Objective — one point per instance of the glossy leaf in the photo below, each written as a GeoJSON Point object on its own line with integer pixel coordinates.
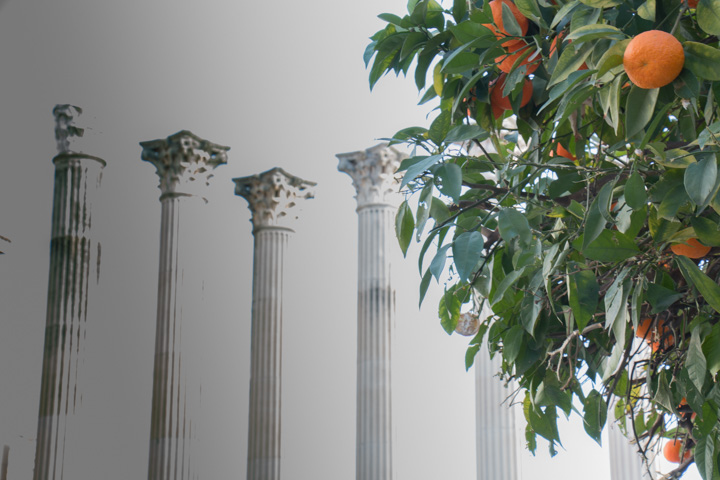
{"type": "Point", "coordinates": [467, 251]}
{"type": "Point", "coordinates": [707, 288]}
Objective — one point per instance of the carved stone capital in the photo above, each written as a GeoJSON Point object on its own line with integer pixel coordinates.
{"type": "Point", "coordinates": [271, 195]}
{"type": "Point", "coordinates": [373, 173]}
{"type": "Point", "coordinates": [184, 162]}
{"type": "Point", "coordinates": [72, 136]}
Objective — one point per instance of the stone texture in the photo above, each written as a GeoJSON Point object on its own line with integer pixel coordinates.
{"type": "Point", "coordinates": [272, 198]}
{"type": "Point", "coordinates": [497, 436]}
{"type": "Point", "coordinates": [74, 269]}
{"type": "Point", "coordinates": [373, 175]}
{"type": "Point", "coordinates": [184, 163]}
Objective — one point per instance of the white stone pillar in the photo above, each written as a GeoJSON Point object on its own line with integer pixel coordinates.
{"type": "Point", "coordinates": [184, 163]}
{"type": "Point", "coordinates": [626, 463]}
{"type": "Point", "coordinates": [373, 175]}
{"type": "Point", "coordinates": [497, 440]}
{"type": "Point", "coordinates": [74, 268]}
{"type": "Point", "coordinates": [271, 197]}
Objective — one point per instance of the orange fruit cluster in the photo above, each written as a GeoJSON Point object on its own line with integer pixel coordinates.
{"type": "Point", "coordinates": [500, 103]}
{"type": "Point", "coordinates": [653, 335]}
{"type": "Point", "coordinates": [653, 59]}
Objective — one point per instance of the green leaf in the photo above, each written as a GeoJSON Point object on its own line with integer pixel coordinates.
{"type": "Point", "coordinates": [700, 178]}
{"type": "Point", "coordinates": [449, 180]}
{"type": "Point", "coordinates": [639, 109]}
{"type": "Point", "coordinates": [702, 60]}
{"type": "Point", "coordinates": [570, 61]}
{"type": "Point", "coordinates": [511, 224]}
{"type": "Point", "coordinates": [415, 166]}
{"type": "Point", "coordinates": [661, 298]}
{"type": "Point", "coordinates": [593, 32]}
{"type": "Point", "coordinates": [675, 198]}
{"type": "Point", "coordinates": [612, 58]}
{"type": "Point", "coordinates": [695, 362]}
{"type": "Point", "coordinates": [594, 224]}
{"type": "Point", "coordinates": [705, 456]}
{"type": "Point", "coordinates": [470, 356]}
{"type": "Point", "coordinates": [437, 265]}
{"type": "Point", "coordinates": [583, 295]}
{"type": "Point", "coordinates": [706, 230]}
{"type": "Point", "coordinates": [711, 350]}
{"type": "Point", "coordinates": [635, 194]}
{"type": "Point", "coordinates": [610, 246]}
{"type": "Point", "coordinates": [595, 415]}
{"type": "Point", "coordinates": [449, 311]}
{"type": "Point", "coordinates": [646, 11]}
{"type": "Point", "coordinates": [707, 288]}
{"type": "Point", "coordinates": [513, 343]}
{"type": "Point", "coordinates": [531, 10]}
{"type": "Point", "coordinates": [424, 284]}
{"type": "Point", "coordinates": [601, 3]}
{"type": "Point", "coordinates": [467, 252]}
{"type": "Point", "coordinates": [404, 226]}
{"type": "Point", "coordinates": [440, 128]}
{"type": "Point", "coordinates": [708, 16]}
{"type": "Point", "coordinates": [510, 24]}
{"type": "Point", "coordinates": [461, 133]}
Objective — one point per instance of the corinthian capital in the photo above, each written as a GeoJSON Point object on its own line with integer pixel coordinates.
{"type": "Point", "coordinates": [373, 173]}
{"type": "Point", "coordinates": [271, 195]}
{"type": "Point", "coordinates": [72, 135]}
{"type": "Point", "coordinates": [184, 162]}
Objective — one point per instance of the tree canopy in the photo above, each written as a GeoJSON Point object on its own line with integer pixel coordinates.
{"type": "Point", "coordinates": [581, 209]}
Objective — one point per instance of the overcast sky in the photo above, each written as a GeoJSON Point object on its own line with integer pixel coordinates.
{"type": "Point", "coordinates": [283, 84]}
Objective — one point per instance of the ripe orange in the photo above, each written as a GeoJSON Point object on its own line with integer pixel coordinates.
{"type": "Point", "coordinates": [497, 100]}
{"type": "Point", "coordinates": [692, 3]}
{"type": "Point", "coordinates": [653, 59]}
{"type": "Point", "coordinates": [672, 449]}
{"type": "Point", "coordinates": [693, 249]}
{"type": "Point", "coordinates": [643, 329]}
{"type": "Point", "coordinates": [499, 27]}
{"type": "Point", "coordinates": [515, 50]}
{"type": "Point", "coordinates": [562, 152]}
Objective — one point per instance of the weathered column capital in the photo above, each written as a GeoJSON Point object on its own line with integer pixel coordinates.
{"type": "Point", "coordinates": [73, 139]}
{"type": "Point", "coordinates": [184, 162]}
{"type": "Point", "coordinates": [271, 195]}
{"type": "Point", "coordinates": [373, 173]}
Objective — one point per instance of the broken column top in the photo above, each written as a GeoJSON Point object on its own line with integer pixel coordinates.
{"type": "Point", "coordinates": [373, 173]}
{"type": "Point", "coordinates": [72, 135]}
{"type": "Point", "coordinates": [271, 195]}
{"type": "Point", "coordinates": [184, 163]}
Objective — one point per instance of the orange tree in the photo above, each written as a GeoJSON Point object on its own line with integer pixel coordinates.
{"type": "Point", "coordinates": [557, 210]}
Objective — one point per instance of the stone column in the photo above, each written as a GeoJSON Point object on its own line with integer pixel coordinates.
{"type": "Point", "coordinates": [497, 440]}
{"type": "Point", "coordinates": [184, 163]}
{"type": "Point", "coordinates": [373, 175]}
{"type": "Point", "coordinates": [74, 268]}
{"type": "Point", "coordinates": [271, 197]}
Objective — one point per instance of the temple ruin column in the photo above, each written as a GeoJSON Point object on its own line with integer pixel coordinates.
{"type": "Point", "coordinates": [497, 439]}
{"type": "Point", "coordinates": [74, 263]}
{"type": "Point", "coordinates": [271, 197]}
{"type": "Point", "coordinates": [184, 163]}
{"type": "Point", "coordinates": [373, 175]}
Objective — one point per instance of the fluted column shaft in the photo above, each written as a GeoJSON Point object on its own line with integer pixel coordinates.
{"type": "Point", "coordinates": [266, 354]}
{"type": "Point", "coordinates": [271, 197]}
{"type": "Point", "coordinates": [496, 430]}
{"type": "Point", "coordinates": [74, 268]}
{"type": "Point", "coordinates": [373, 174]}
{"type": "Point", "coordinates": [184, 163]}
{"type": "Point", "coordinates": [376, 319]}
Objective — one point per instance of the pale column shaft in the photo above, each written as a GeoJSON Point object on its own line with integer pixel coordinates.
{"type": "Point", "coordinates": [266, 354]}
{"type": "Point", "coordinates": [373, 175]}
{"type": "Point", "coordinates": [271, 197]}
{"type": "Point", "coordinates": [74, 262]}
{"type": "Point", "coordinates": [376, 319]}
{"type": "Point", "coordinates": [497, 439]}
{"type": "Point", "coordinates": [184, 163]}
